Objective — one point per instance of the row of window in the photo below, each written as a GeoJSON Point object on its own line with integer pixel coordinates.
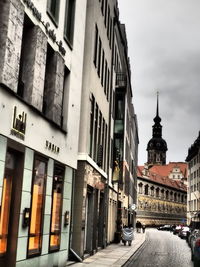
{"type": "Point", "coordinates": [157, 192]}
{"type": "Point", "coordinates": [108, 21]}
{"type": "Point", "coordinates": [194, 205]}
{"type": "Point", "coordinates": [33, 217]}
{"type": "Point", "coordinates": [195, 187]}
{"type": "Point", "coordinates": [101, 64]}
{"type": "Point", "coordinates": [37, 207]}
{"type": "Point", "coordinates": [51, 106]}
{"type": "Point", "coordinates": [98, 135]}
{"type": "Point", "coordinates": [194, 161]}
{"type": "Point", "coordinates": [53, 10]}
{"type": "Point", "coordinates": [195, 174]}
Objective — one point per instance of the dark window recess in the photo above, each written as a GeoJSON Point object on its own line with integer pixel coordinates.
{"type": "Point", "coordinates": [102, 7]}
{"type": "Point", "coordinates": [69, 20]}
{"type": "Point", "coordinates": [95, 132]}
{"type": "Point", "coordinates": [102, 68]}
{"type": "Point", "coordinates": [105, 77]}
{"type": "Point", "coordinates": [108, 85]}
{"type": "Point", "coordinates": [108, 23]}
{"type": "Point", "coordinates": [48, 87]}
{"type": "Point", "coordinates": [92, 105]}
{"type": "Point", "coordinates": [53, 9]}
{"type": "Point", "coordinates": [65, 97]}
{"type": "Point", "coordinates": [26, 56]}
{"type": "Point", "coordinates": [105, 16]}
{"type": "Point", "coordinates": [100, 156]}
{"type": "Point", "coordinates": [96, 45]}
{"type": "Point", "coordinates": [99, 58]}
{"type": "Point", "coordinates": [56, 208]}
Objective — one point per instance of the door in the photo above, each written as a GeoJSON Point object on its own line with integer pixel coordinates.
{"type": "Point", "coordinates": [10, 208]}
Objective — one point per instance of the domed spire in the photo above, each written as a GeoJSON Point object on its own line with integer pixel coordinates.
{"type": "Point", "coordinates": [157, 119]}
{"type": "Point", "coordinates": [157, 146]}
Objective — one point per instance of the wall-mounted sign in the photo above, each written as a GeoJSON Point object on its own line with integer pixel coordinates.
{"type": "Point", "coordinates": [19, 124]}
{"type": "Point", "coordinates": [50, 146]}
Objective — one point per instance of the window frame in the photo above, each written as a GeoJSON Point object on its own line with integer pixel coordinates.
{"type": "Point", "coordinates": [53, 17]}
{"type": "Point", "coordinates": [69, 23]}
{"type": "Point", "coordinates": [45, 160]}
{"type": "Point", "coordinates": [56, 248]}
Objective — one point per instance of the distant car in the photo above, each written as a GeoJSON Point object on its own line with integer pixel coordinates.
{"type": "Point", "coordinates": [183, 233]}
{"type": "Point", "coordinates": [195, 248]}
{"type": "Point", "coordinates": [177, 229]}
{"type": "Point", "coordinates": [165, 227]}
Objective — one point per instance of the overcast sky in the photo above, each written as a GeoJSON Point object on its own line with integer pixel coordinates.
{"type": "Point", "coordinates": [164, 49]}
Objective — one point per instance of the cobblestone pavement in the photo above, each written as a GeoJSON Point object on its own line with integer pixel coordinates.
{"type": "Point", "coordinates": [162, 249]}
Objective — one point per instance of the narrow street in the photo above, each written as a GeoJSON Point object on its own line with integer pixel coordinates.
{"type": "Point", "coordinates": [162, 249]}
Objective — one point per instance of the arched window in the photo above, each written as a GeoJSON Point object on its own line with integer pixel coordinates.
{"type": "Point", "coordinates": [162, 193]}
{"type": "Point", "coordinates": [140, 186]}
{"type": "Point", "coordinates": [175, 196]}
{"type": "Point", "coordinates": [167, 194]}
{"type": "Point", "coordinates": [157, 192]}
{"type": "Point", "coordinates": [152, 190]}
{"type": "Point", "coordinates": [171, 195]}
{"type": "Point", "coordinates": [146, 189]}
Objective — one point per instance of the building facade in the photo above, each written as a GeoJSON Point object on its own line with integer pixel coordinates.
{"type": "Point", "coordinates": [161, 200]}
{"type": "Point", "coordinates": [162, 188]}
{"type": "Point", "coordinates": [41, 59]}
{"type": "Point", "coordinates": [105, 182]}
{"type": "Point", "coordinates": [193, 199]}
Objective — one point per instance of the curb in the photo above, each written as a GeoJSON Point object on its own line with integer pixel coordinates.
{"type": "Point", "coordinates": [136, 251]}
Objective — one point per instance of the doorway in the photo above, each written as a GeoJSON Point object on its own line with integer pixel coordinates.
{"type": "Point", "coordinates": [10, 207]}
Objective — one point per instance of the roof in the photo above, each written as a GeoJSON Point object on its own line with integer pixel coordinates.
{"type": "Point", "coordinates": [165, 170]}
{"type": "Point", "coordinates": [159, 174]}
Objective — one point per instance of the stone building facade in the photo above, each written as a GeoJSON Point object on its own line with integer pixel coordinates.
{"type": "Point", "coordinates": [193, 199]}
{"type": "Point", "coordinates": [105, 181]}
{"type": "Point", "coordinates": [161, 200]}
{"type": "Point", "coordinates": [41, 60]}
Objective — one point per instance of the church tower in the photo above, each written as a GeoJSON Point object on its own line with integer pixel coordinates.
{"type": "Point", "coordinates": [157, 146]}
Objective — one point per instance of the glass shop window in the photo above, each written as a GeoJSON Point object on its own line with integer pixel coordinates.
{"type": "Point", "coordinates": [6, 202]}
{"type": "Point", "coordinates": [37, 207]}
{"type": "Point", "coordinates": [56, 208]}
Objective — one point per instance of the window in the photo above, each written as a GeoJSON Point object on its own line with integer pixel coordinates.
{"type": "Point", "coordinates": [53, 10]}
{"type": "Point", "coordinates": [157, 192]}
{"type": "Point", "coordinates": [105, 77]}
{"type": "Point", "coordinates": [26, 58]}
{"type": "Point", "coordinates": [37, 206]}
{"type": "Point", "coordinates": [108, 85]}
{"type": "Point", "coordinates": [53, 86]}
{"type": "Point", "coordinates": [146, 189]}
{"type": "Point", "coordinates": [140, 188]}
{"type": "Point", "coordinates": [69, 20]}
{"type": "Point", "coordinates": [95, 45]}
{"type": "Point", "coordinates": [99, 58]}
{"type": "Point", "coordinates": [6, 202]}
{"type": "Point", "coordinates": [91, 123]}
{"type": "Point", "coordinates": [56, 208]}
{"type": "Point", "coordinates": [102, 68]}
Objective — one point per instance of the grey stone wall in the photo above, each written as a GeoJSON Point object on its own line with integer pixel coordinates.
{"type": "Point", "coordinates": [53, 92]}
{"type": "Point", "coordinates": [33, 72]}
{"type": "Point", "coordinates": [11, 24]}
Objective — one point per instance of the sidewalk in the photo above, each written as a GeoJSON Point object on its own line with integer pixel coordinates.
{"type": "Point", "coordinates": [113, 255]}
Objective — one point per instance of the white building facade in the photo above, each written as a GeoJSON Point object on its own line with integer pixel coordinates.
{"type": "Point", "coordinates": [41, 59]}
{"type": "Point", "coordinates": [193, 197]}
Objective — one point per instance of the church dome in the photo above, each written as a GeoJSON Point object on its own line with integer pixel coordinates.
{"type": "Point", "coordinates": [157, 144]}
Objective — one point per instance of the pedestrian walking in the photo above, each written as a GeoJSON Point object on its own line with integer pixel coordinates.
{"type": "Point", "coordinates": [143, 228]}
